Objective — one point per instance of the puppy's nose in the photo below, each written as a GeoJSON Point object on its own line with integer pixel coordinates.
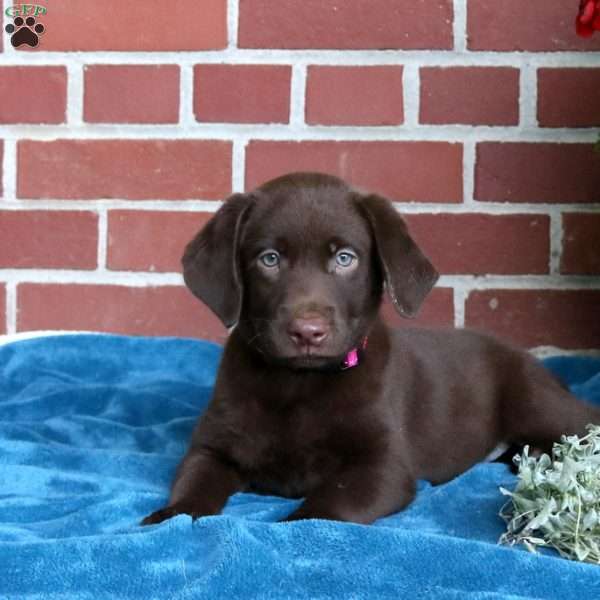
{"type": "Point", "coordinates": [310, 331]}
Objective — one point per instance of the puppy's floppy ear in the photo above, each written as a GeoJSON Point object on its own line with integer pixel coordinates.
{"type": "Point", "coordinates": [210, 261]}
{"type": "Point", "coordinates": [409, 276]}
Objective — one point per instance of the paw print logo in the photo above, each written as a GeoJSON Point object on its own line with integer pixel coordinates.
{"type": "Point", "coordinates": [24, 31]}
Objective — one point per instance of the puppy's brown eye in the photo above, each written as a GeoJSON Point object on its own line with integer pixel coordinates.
{"type": "Point", "coordinates": [269, 259]}
{"type": "Point", "coordinates": [345, 258]}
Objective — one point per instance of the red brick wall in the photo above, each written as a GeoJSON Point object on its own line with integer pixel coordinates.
{"type": "Point", "coordinates": [123, 131]}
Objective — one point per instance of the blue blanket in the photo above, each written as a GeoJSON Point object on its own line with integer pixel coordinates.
{"type": "Point", "coordinates": [91, 430]}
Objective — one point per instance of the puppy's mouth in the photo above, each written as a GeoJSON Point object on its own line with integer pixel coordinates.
{"type": "Point", "coordinates": [309, 357]}
{"type": "Point", "coordinates": [309, 352]}
{"type": "Point", "coordinates": [278, 351]}
{"type": "Point", "coordinates": [310, 362]}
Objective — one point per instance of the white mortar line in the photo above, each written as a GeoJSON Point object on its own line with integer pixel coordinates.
{"type": "Point", "coordinates": [75, 93]}
{"type": "Point", "coordinates": [115, 204]}
{"type": "Point", "coordinates": [102, 239]}
{"type": "Point", "coordinates": [469, 159]}
{"type": "Point", "coordinates": [233, 10]}
{"type": "Point", "coordinates": [411, 84]}
{"type": "Point", "coordinates": [299, 132]}
{"type": "Point", "coordinates": [520, 282]}
{"type": "Point", "coordinates": [460, 297]}
{"type": "Point", "coordinates": [9, 176]}
{"type": "Point", "coordinates": [325, 57]}
{"type": "Point", "coordinates": [238, 161]}
{"type": "Point", "coordinates": [459, 27]}
{"type": "Point", "coordinates": [556, 240]}
{"type": "Point", "coordinates": [28, 335]}
{"type": "Point", "coordinates": [297, 96]}
{"type": "Point", "coordinates": [187, 118]}
{"type": "Point", "coordinates": [91, 277]}
{"type": "Point", "coordinates": [196, 206]}
{"type": "Point", "coordinates": [528, 96]}
{"type": "Point", "coordinates": [492, 208]}
{"type": "Point", "coordinates": [11, 307]}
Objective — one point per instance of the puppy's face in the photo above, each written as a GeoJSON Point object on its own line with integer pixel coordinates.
{"type": "Point", "coordinates": [299, 265]}
{"type": "Point", "coordinates": [310, 276]}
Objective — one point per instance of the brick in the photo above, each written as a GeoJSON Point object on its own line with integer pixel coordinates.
{"type": "Point", "coordinates": [48, 239]}
{"type": "Point", "coordinates": [1, 167]}
{"type": "Point", "coordinates": [33, 94]}
{"type": "Point", "coordinates": [569, 97]}
{"type": "Point", "coordinates": [377, 24]}
{"type": "Point", "coordinates": [532, 26]}
{"type": "Point", "coordinates": [409, 171]}
{"type": "Point", "coordinates": [130, 169]}
{"type": "Point", "coordinates": [154, 26]}
{"type": "Point", "coordinates": [354, 95]}
{"type": "Point", "coordinates": [150, 240]}
{"type": "Point", "coordinates": [484, 244]}
{"type": "Point", "coordinates": [469, 95]}
{"type": "Point", "coordinates": [164, 310]}
{"type": "Point", "coordinates": [436, 311]}
{"type": "Point", "coordinates": [581, 244]}
{"type": "Point", "coordinates": [563, 318]}
{"type": "Point", "coordinates": [131, 94]}
{"type": "Point", "coordinates": [3, 327]}
{"type": "Point", "coordinates": [242, 93]}
{"type": "Point", "coordinates": [537, 172]}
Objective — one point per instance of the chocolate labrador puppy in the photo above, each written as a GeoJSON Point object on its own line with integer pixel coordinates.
{"type": "Point", "coordinates": [315, 396]}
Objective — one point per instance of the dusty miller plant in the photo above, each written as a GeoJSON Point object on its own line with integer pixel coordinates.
{"type": "Point", "coordinates": [556, 502]}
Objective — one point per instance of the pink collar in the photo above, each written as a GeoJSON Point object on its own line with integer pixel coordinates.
{"type": "Point", "coordinates": [353, 357]}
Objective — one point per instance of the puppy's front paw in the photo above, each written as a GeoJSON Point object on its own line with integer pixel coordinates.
{"type": "Point", "coordinates": [158, 516]}
{"type": "Point", "coordinates": [302, 513]}
{"type": "Point", "coordinates": [167, 512]}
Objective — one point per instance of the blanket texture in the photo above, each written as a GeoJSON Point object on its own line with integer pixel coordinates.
{"type": "Point", "coordinates": [91, 430]}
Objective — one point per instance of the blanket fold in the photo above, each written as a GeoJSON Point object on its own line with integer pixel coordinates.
{"type": "Point", "coordinates": [92, 428]}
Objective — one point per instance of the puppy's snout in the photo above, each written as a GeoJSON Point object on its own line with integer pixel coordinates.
{"type": "Point", "coordinates": [308, 331]}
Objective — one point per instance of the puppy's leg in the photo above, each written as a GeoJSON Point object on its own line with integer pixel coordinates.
{"type": "Point", "coordinates": [202, 485]}
{"type": "Point", "coordinates": [359, 494]}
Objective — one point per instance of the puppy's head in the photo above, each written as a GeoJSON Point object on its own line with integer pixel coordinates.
{"type": "Point", "coordinates": [299, 265]}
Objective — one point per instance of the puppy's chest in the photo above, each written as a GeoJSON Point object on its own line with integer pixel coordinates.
{"type": "Point", "coordinates": [283, 452]}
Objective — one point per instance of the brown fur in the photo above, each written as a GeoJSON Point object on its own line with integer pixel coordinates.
{"type": "Point", "coordinates": [287, 419]}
